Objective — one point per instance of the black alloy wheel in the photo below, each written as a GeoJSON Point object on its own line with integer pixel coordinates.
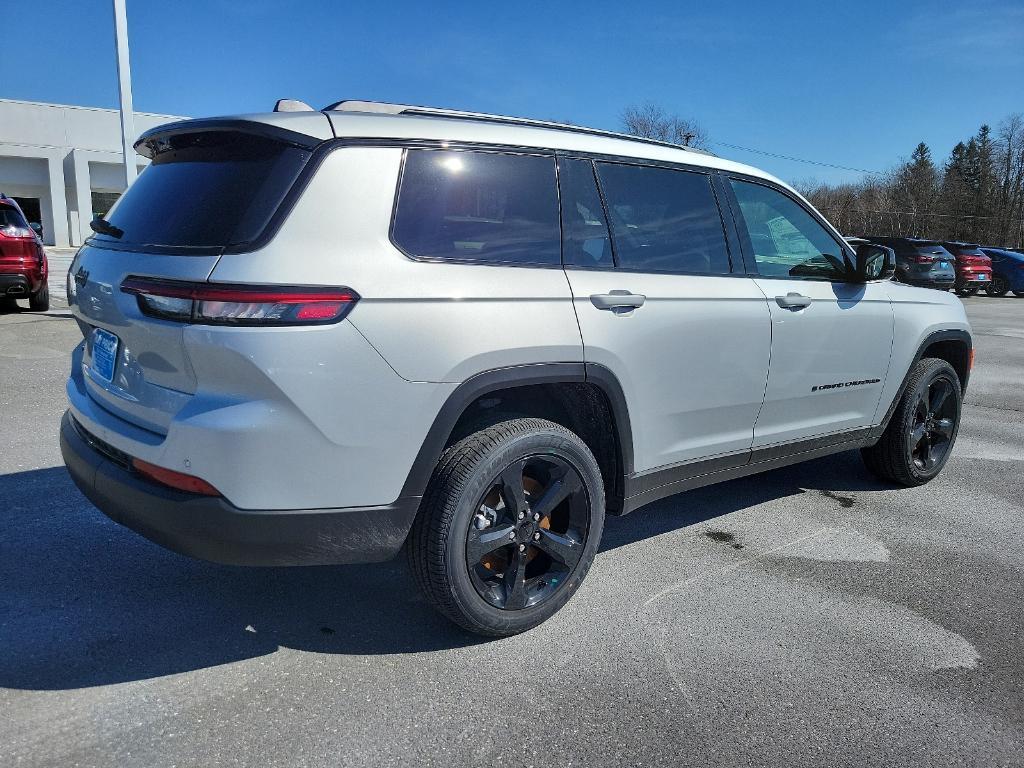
{"type": "Point", "coordinates": [528, 533]}
{"type": "Point", "coordinates": [919, 437]}
{"type": "Point", "coordinates": [934, 424]}
{"type": "Point", "coordinates": [509, 526]}
{"type": "Point", "coordinates": [998, 286]}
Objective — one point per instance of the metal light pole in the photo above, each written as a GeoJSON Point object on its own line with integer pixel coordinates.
{"type": "Point", "coordinates": [124, 84]}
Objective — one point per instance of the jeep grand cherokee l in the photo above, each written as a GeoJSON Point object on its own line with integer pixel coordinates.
{"type": "Point", "coordinates": [326, 336]}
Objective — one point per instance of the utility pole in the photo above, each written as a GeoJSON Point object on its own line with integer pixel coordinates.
{"type": "Point", "coordinates": [124, 84]}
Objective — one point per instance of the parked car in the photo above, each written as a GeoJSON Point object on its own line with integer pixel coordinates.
{"type": "Point", "coordinates": [23, 265]}
{"type": "Point", "coordinates": [920, 262]}
{"type": "Point", "coordinates": [973, 268]}
{"type": "Point", "coordinates": [499, 330]}
{"type": "Point", "coordinates": [1007, 271]}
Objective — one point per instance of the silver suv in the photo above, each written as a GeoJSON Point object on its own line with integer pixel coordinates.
{"type": "Point", "coordinates": [320, 337]}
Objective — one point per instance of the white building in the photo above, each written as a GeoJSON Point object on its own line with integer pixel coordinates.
{"type": "Point", "coordinates": [63, 164]}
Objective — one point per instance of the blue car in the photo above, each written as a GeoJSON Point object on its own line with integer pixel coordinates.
{"type": "Point", "coordinates": [1007, 272]}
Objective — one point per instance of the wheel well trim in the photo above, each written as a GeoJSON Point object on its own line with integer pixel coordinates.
{"type": "Point", "coordinates": [497, 379]}
{"type": "Point", "coordinates": [949, 334]}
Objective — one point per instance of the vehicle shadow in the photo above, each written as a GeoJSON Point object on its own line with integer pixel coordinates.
{"type": "Point", "coordinates": [832, 476]}
{"type": "Point", "coordinates": [85, 602]}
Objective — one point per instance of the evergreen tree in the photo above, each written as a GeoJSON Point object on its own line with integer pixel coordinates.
{"type": "Point", "coordinates": [916, 187]}
{"type": "Point", "coordinates": [955, 191]}
{"type": "Point", "coordinates": [983, 175]}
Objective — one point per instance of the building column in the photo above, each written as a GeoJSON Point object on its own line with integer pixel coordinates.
{"type": "Point", "coordinates": [83, 194]}
{"type": "Point", "coordinates": [58, 206]}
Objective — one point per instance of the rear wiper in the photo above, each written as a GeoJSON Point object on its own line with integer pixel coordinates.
{"type": "Point", "coordinates": [101, 226]}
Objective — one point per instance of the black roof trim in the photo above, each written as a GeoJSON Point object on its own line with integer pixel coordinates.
{"type": "Point", "coordinates": [144, 144]}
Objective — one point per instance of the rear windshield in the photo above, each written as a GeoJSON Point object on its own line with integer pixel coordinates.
{"type": "Point", "coordinates": [933, 249]}
{"type": "Point", "coordinates": [964, 250]}
{"type": "Point", "coordinates": [206, 190]}
{"type": "Point", "coordinates": [9, 217]}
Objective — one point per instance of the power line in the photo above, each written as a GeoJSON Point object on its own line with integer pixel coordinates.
{"type": "Point", "coordinates": [796, 159]}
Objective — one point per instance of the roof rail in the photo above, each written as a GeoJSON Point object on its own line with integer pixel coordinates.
{"type": "Point", "coordinates": [385, 108]}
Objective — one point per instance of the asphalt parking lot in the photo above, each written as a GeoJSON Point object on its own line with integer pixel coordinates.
{"type": "Point", "coordinates": [808, 616]}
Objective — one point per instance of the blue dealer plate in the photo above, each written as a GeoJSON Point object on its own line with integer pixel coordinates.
{"type": "Point", "coordinates": [104, 353]}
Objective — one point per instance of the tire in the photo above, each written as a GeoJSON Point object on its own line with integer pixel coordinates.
{"type": "Point", "coordinates": [40, 300]}
{"type": "Point", "coordinates": [475, 481]}
{"type": "Point", "coordinates": [967, 289]}
{"type": "Point", "coordinates": [920, 436]}
{"type": "Point", "coordinates": [997, 287]}
{"type": "Point", "coordinates": [1019, 294]}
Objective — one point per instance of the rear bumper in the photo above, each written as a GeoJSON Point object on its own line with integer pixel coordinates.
{"type": "Point", "coordinates": [212, 529]}
{"type": "Point", "coordinates": [19, 285]}
{"type": "Point", "coordinates": [974, 277]}
{"type": "Point", "coordinates": [926, 282]}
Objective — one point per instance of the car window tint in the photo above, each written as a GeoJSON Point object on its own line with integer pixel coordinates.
{"type": "Point", "coordinates": [585, 238]}
{"type": "Point", "coordinates": [478, 206]}
{"type": "Point", "coordinates": [206, 190]}
{"type": "Point", "coordinates": [664, 220]}
{"type": "Point", "coordinates": [786, 240]}
{"type": "Point", "coordinates": [9, 217]}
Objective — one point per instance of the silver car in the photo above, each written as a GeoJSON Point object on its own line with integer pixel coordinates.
{"type": "Point", "coordinates": [325, 336]}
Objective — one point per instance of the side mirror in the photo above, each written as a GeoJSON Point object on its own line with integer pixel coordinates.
{"type": "Point", "coordinates": [37, 228]}
{"type": "Point", "coordinates": [874, 262]}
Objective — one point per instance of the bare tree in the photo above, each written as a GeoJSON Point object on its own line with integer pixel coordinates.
{"type": "Point", "coordinates": [1010, 169]}
{"type": "Point", "coordinates": [651, 121]}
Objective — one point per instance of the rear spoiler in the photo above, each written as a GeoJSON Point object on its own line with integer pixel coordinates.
{"type": "Point", "coordinates": [155, 139]}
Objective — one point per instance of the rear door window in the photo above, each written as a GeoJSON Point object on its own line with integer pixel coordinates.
{"type": "Point", "coordinates": [206, 191]}
{"type": "Point", "coordinates": [585, 238]}
{"type": "Point", "coordinates": [478, 206]}
{"type": "Point", "coordinates": [664, 220]}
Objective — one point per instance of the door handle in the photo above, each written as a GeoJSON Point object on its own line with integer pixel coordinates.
{"type": "Point", "coordinates": [793, 301]}
{"type": "Point", "coordinates": [617, 300]}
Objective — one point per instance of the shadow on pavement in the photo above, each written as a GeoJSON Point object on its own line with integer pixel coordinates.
{"type": "Point", "coordinates": [85, 602]}
{"type": "Point", "coordinates": [833, 476]}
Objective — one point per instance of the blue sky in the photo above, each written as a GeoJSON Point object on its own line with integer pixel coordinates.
{"type": "Point", "coordinates": [855, 84]}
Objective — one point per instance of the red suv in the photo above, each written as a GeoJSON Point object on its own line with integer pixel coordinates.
{"type": "Point", "coordinates": [973, 268]}
{"type": "Point", "coordinates": [23, 267]}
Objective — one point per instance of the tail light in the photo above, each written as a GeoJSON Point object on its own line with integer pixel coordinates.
{"type": "Point", "coordinates": [12, 230]}
{"type": "Point", "coordinates": [224, 304]}
{"type": "Point", "coordinates": [177, 480]}
{"type": "Point", "coordinates": [924, 259]}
